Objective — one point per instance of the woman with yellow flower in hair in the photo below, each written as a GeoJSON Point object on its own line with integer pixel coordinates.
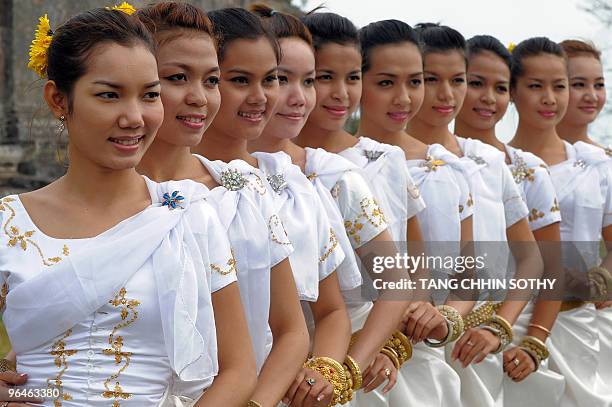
{"type": "Point", "coordinates": [115, 288]}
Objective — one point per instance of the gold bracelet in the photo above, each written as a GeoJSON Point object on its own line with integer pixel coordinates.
{"type": "Point", "coordinates": [500, 324]}
{"type": "Point", "coordinates": [541, 328]}
{"type": "Point", "coordinates": [456, 319]}
{"type": "Point", "coordinates": [536, 359]}
{"type": "Point", "coordinates": [536, 345]}
{"type": "Point", "coordinates": [333, 372]}
{"type": "Point", "coordinates": [390, 353]}
{"type": "Point", "coordinates": [355, 372]}
{"type": "Point", "coordinates": [401, 345]}
{"type": "Point", "coordinates": [479, 316]}
{"type": "Point", "coordinates": [7, 366]}
{"type": "Point", "coordinates": [604, 286]}
{"type": "Point", "coordinates": [348, 394]}
{"type": "Point", "coordinates": [253, 403]}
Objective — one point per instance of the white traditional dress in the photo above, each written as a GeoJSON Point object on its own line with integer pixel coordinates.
{"type": "Point", "coordinates": [393, 188]}
{"type": "Point", "coordinates": [581, 183]}
{"type": "Point", "coordinates": [531, 175]}
{"type": "Point", "coordinates": [317, 251]}
{"type": "Point", "coordinates": [497, 206]}
{"type": "Point", "coordinates": [247, 210]}
{"type": "Point", "coordinates": [426, 379]}
{"type": "Point", "coordinates": [349, 203]}
{"type": "Point", "coordinates": [114, 319]}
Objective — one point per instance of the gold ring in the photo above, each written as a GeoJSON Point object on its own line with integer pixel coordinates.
{"type": "Point", "coordinates": [387, 372]}
{"type": "Point", "coordinates": [310, 381]}
{"type": "Point", "coordinates": [516, 362]}
{"type": "Point", "coordinates": [470, 343]}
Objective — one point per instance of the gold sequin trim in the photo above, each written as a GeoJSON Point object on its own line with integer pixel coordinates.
{"type": "Point", "coordinates": [555, 207]}
{"type": "Point", "coordinates": [3, 294]}
{"type": "Point", "coordinates": [22, 240]}
{"type": "Point", "coordinates": [535, 215]}
{"type": "Point", "coordinates": [330, 246]}
{"type": "Point", "coordinates": [376, 218]}
{"type": "Point", "coordinates": [258, 185]}
{"type": "Point", "coordinates": [128, 306]}
{"type": "Point", "coordinates": [273, 224]}
{"type": "Point", "coordinates": [60, 358]}
{"type": "Point", "coordinates": [231, 266]}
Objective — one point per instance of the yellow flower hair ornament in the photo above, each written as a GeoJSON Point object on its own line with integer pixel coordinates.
{"type": "Point", "coordinates": [126, 7]}
{"type": "Point", "coordinates": [511, 47]}
{"type": "Point", "coordinates": [39, 50]}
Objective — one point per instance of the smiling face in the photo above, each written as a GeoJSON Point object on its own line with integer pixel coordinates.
{"type": "Point", "coordinates": [338, 85]}
{"type": "Point", "coordinates": [297, 96]}
{"type": "Point", "coordinates": [587, 94]}
{"type": "Point", "coordinates": [249, 88]}
{"type": "Point", "coordinates": [189, 75]}
{"type": "Point", "coordinates": [392, 86]}
{"type": "Point", "coordinates": [541, 93]}
{"type": "Point", "coordinates": [488, 91]}
{"type": "Point", "coordinates": [116, 107]}
{"type": "Point", "coordinates": [445, 87]}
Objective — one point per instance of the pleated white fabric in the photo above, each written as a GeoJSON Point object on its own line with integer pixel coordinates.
{"type": "Point", "coordinates": [258, 238]}
{"type": "Point", "coordinates": [317, 252]}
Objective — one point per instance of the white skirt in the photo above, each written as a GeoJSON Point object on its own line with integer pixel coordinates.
{"type": "Point", "coordinates": [574, 353]}
{"type": "Point", "coordinates": [542, 388]}
{"type": "Point", "coordinates": [604, 371]}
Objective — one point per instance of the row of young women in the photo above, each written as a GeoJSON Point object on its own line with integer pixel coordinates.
{"type": "Point", "coordinates": [212, 145]}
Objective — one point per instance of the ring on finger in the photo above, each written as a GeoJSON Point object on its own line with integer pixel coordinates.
{"type": "Point", "coordinates": [387, 372]}
{"type": "Point", "coordinates": [470, 343]}
{"type": "Point", "coordinates": [310, 381]}
{"type": "Point", "coordinates": [516, 362]}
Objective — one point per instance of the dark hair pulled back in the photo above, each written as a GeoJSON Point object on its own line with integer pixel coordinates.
{"type": "Point", "coordinates": [282, 25]}
{"type": "Point", "coordinates": [530, 48]}
{"type": "Point", "coordinates": [332, 28]}
{"type": "Point", "coordinates": [483, 43]}
{"type": "Point", "coordinates": [381, 33]}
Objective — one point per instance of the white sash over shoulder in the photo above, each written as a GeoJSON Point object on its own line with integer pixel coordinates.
{"type": "Point", "coordinates": [324, 169]}
{"type": "Point", "coordinates": [80, 285]}
{"type": "Point", "coordinates": [306, 222]}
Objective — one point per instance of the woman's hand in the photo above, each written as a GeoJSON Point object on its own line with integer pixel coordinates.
{"type": "Point", "coordinates": [423, 320]}
{"type": "Point", "coordinates": [474, 346]}
{"type": "Point", "coordinates": [381, 369]}
{"type": "Point", "coordinates": [9, 379]}
{"type": "Point", "coordinates": [518, 364]}
{"type": "Point", "coordinates": [301, 393]}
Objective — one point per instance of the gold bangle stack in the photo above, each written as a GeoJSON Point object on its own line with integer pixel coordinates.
{"type": "Point", "coordinates": [253, 403]}
{"type": "Point", "coordinates": [535, 348]}
{"type": "Point", "coordinates": [334, 373]}
{"type": "Point", "coordinates": [503, 327]}
{"type": "Point", "coordinates": [454, 321]}
{"type": "Point", "coordinates": [479, 316]}
{"type": "Point", "coordinates": [7, 366]}
{"type": "Point", "coordinates": [601, 280]}
{"type": "Point", "coordinates": [391, 354]}
{"type": "Point", "coordinates": [354, 371]}
{"type": "Point", "coordinates": [400, 345]}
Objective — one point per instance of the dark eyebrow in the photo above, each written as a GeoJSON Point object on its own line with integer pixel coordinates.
{"type": "Point", "coordinates": [535, 79]}
{"type": "Point", "coordinates": [326, 71]}
{"type": "Point", "coordinates": [289, 71]}
{"type": "Point", "coordinates": [482, 78]}
{"type": "Point", "coordinates": [151, 84]}
{"type": "Point", "coordinates": [387, 74]}
{"type": "Point", "coordinates": [117, 86]}
{"type": "Point", "coordinates": [354, 72]}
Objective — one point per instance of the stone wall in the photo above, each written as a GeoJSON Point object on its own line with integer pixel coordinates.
{"type": "Point", "coordinates": [28, 143]}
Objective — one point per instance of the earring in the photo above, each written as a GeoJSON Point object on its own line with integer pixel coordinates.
{"type": "Point", "coordinates": [61, 126]}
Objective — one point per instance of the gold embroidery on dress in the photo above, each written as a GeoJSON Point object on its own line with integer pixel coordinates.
{"type": "Point", "coordinates": [460, 208]}
{"type": "Point", "coordinates": [330, 246]}
{"type": "Point", "coordinates": [521, 171]}
{"type": "Point", "coordinates": [273, 223]}
{"type": "Point", "coordinates": [555, 207]}
{"type": "Point", "coordinates": [60, 358]}
{"type": "Point", "coordinates": [470, 200]}
{"type": "Point", "coordinates": [608, 151]}
{"type": "Point", "coordinates": [311, 176]}
{"type": "Point", "coordinates": [535, 215]}
{"type": "Point", "coordinates": [413, 191]}
{"type": "Point", "coordinates": [258, 185]}
{"type": "Point", "coordinates": [3, 294]}
{"type": "Point", "coordinates": [127, 306]}
{"type": "Point", "coordinates": [376, 218]}
{"type": "Point", "coordinates": [22, 240]}
{"type": "Point", "coordinates": [335, 191]}
{"type": "Point", "coordinates": [231, 264]}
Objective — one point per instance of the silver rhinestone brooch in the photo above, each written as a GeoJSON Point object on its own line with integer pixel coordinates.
{"type": "Point", "coordinates": [277, 182]}
{"type": "Point", "coordinates": [521, 171]}
{"type": "Point", "coordinates": [372, 155]}
{"type": "Point", "coordinates": [232, 180]}
{"type": "Point", "coordinates": [580, 163]}
{"type": "Point", "coordinates": [477, 159]}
